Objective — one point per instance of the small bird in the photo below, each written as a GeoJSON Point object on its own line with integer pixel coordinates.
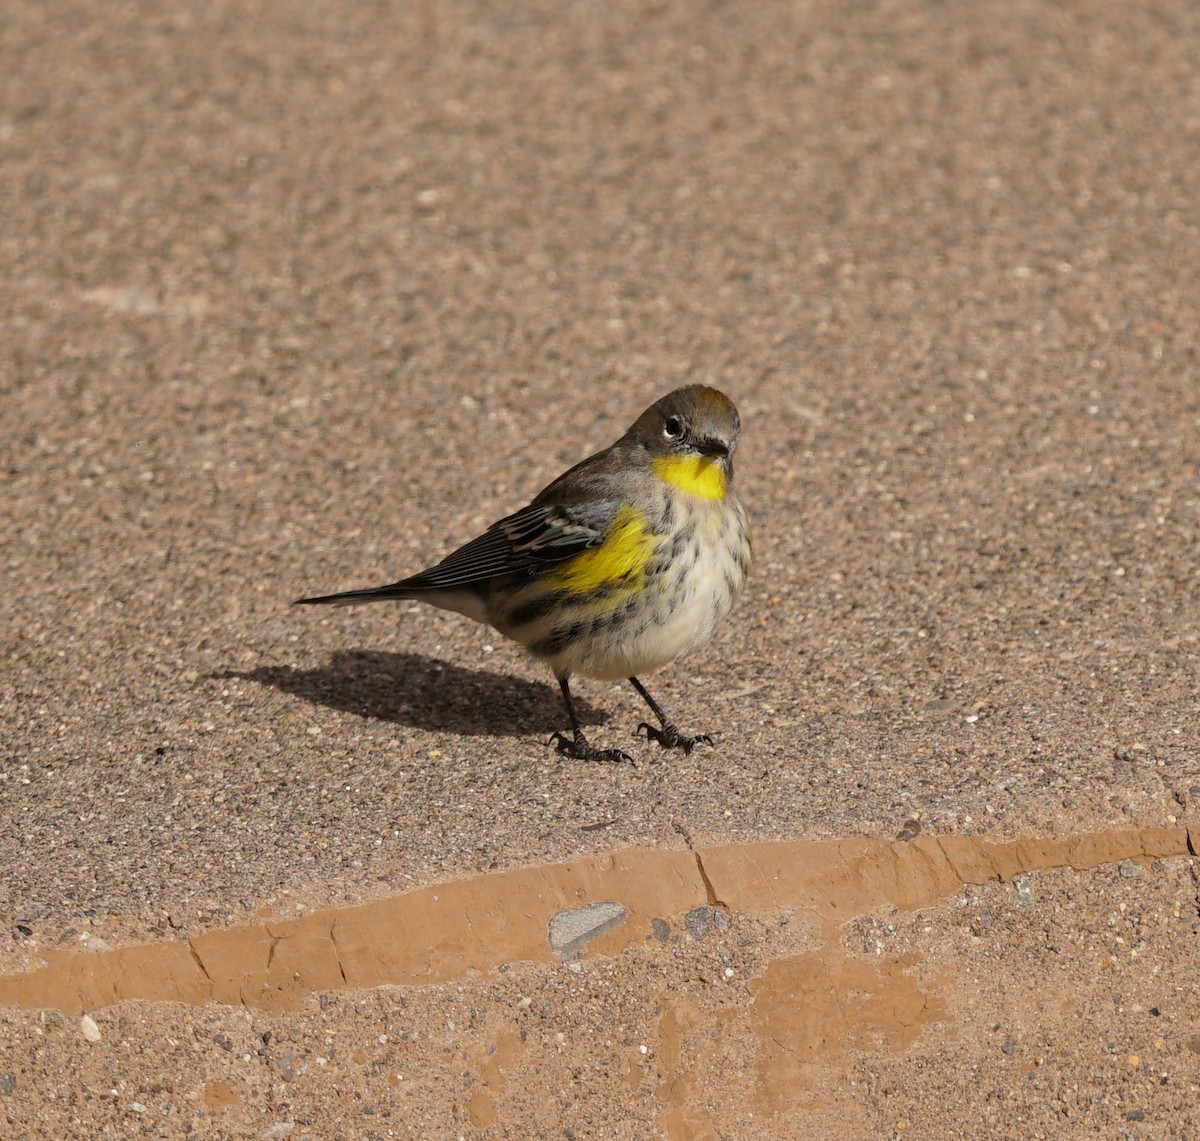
{"type": "Point", "coordinates": [624, 563]}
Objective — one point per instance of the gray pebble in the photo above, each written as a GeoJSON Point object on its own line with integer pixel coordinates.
{"type": "Point", "coordinates": [1023, 886]}
{"type": "Point", "coordinates": [910, 831]}
{"type": "Point", "coordinates": [570, 930]}
{"type": "Point", "coordinates": [699, 921]}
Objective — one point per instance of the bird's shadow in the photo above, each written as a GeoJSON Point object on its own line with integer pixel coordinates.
{"type": "Point", "coordinates": [425, 693]}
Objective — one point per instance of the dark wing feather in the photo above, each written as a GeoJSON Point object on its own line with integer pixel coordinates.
{"type": "Point", "coordinates": [538, 534]}
{"type": "Point", "coordinates": [569, 516]}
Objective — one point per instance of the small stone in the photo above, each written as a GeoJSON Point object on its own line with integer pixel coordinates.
{"type": "Point", "coordinates": [1130, 869]}
{"type": "Point", "coordinates": [910, 831]}
{"type": "Point", "coordinates": [87, 1024]}
{"type": "Point", "coordinates": [95, 943]}
{"type": "Point", "coordinates": [8, 1083]}
{"type": "Point", "coordinates": [1135, 1115]}
{"type": "Point", "coordinates": [1007, 1046]}
{"type": "Point", "coordinates": [569, 931]}
{"type": "Point", "coordinates": [661, 929]}
{"type": "Point", "coordinates": [1023, 886]}
{"type": "Point", "coordinates": [699, 921]}
{"type": "Point", "coordinates": [278, 1131]}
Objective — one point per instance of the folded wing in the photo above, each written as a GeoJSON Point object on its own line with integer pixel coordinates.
{"type": "Point", "coordinates": [538, 534]}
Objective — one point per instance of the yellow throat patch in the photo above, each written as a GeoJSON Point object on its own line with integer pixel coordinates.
{"type": "Point", "coordinates": [702, 476]}
{"type": "Point", "coordinates": [619, 561]}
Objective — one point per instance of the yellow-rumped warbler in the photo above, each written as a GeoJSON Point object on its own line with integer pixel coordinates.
{"type": "Point", "coordinates": [624, 563]}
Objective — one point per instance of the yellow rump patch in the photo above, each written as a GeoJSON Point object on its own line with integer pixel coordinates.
{"type": "Point", "coordinates": [702, 476]}
{"type": "Point", "coordinates": [620, 560]}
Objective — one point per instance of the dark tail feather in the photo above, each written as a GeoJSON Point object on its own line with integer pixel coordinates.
{"type": "Point", "coordinates": [394, 590]}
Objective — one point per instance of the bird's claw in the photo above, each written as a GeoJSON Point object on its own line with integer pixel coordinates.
{"type": "Point", "coordinates": [670, 738]}
{"type": "Point", "coordinates": [578, 749]}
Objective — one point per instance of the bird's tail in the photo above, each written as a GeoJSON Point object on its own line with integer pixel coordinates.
{"type": "Point", "coordinates": [393, 591]}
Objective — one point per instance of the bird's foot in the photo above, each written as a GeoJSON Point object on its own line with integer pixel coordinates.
{"type": "Point", "coordinates": [670, 738]}
{"type": "Point", "coordinates": [577, 747]}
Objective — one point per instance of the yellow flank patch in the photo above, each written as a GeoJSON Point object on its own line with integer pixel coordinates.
{"type": "Point", "coordinates": [619, 561]}
{"type": "Point", "coordinates": [702, 476]}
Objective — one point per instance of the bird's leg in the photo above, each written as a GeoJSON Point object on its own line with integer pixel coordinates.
{"type": "Point", "coordinates": [667, 736]}
{"type": "Point", "coordinates": [577, 744]}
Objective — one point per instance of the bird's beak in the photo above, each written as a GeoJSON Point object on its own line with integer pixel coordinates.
{"type": "Point", "coordinates": [715, 449]}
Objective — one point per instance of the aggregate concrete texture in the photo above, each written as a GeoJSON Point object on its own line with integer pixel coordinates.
{"type": "Point", "coordinates": [295, 297]}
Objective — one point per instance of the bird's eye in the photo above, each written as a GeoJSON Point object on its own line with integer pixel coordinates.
{"type": "Point", "coordinates": [672, 427]}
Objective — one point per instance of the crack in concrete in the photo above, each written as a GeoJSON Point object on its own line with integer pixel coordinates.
{"type": "Point", "coordinates": [275, 941]}
{"type": "Point", "coordinates": [337, 952]}
{"type": "Point", "coordinates": [784, 1047]}
{"type": "Point", "coordinates": [936, 868]}
{"type": "Point", "coordinates": [199, 962]}
{"type": "Point", "coordinates": [955, 870]}
{"type": "Point", "coordinates": [712, 898]}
